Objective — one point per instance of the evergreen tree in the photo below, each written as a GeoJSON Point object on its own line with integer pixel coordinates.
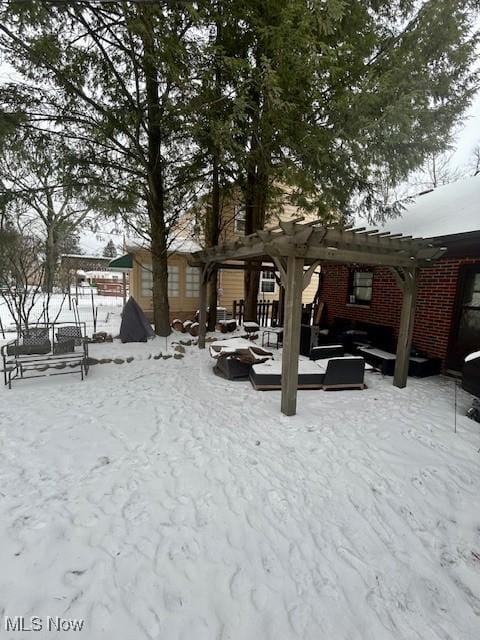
{"type": "Point", "coordinates": [110, 250]}
{"type": "Point", "coordinates": [115, 78]}
{"type": "Point", "coordinates": [341, 97]}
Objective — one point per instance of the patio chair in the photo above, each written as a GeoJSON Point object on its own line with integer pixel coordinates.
{"type": "Point", "coordinates": [345, 373]}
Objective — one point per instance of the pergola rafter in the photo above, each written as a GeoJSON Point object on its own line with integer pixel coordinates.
{"type": "Point", "coordinates": [292, 247]}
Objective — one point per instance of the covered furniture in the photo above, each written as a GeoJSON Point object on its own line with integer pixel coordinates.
{"type": "Point", "coordinates": [135, 327]}
{"type": "Point", "coordinates": [234, 357]}
{"type": "Point", "coordinates": [471, 374]}
{"type": "Point", "coordinates": [232, 368]}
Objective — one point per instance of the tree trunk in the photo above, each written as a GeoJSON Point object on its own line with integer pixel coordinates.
{"type": "Point", "coordinates": [50, 261]}
{"type": "Point", "coordinates": [161, 309]}
{"type": "Point", "coordinates": [156, 191]}
{"type": "Point", "coordinates": [211, 236]}
{"type": "Point", "coordinates": [255, 207]}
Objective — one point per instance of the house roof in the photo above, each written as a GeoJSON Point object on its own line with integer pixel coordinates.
{"type": "Point", "coordinates": [122, 263]}
{"type": "Point", "coordinates": [177, 245]}
{"type": "Point", "coordinates": [449, 210]}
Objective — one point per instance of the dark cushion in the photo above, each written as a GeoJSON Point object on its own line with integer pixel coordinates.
{"type": "Point", "coordinates": [327, 351]}
{"type": "Point", "coordinates": [345, 371]}
{"type": "Point", "coordinates": [69, 332]}
{"type": "Point", "coordinates": [66, 345]}
{"type": "Point", "coordinates": [29, 349]}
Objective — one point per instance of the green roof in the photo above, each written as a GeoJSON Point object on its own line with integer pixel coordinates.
{"type": "Point", "coordinates": [123, 263]}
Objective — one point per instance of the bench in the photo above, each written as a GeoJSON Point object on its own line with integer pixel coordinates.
{"type": "Point", "coordinates": [384, 361]}
{"type": "Point", "coordinates": [54, 353]}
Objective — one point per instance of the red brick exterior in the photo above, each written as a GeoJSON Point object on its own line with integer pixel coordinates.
{"type": "Point", "coordinates": [437, 290]}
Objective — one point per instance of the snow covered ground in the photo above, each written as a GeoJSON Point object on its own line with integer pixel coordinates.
{"type": "Point", "coordinates": [157, 501]}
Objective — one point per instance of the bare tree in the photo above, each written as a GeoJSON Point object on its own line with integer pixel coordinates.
{"type": "Point", "coordinates": [21, 272]}
{"type": "Point", "coordinates": [474, 163]}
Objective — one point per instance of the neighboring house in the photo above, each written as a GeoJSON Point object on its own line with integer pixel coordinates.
{"type": "Point", "coordinates": [107, 283]}
{"type": "Point", "coordinates": [184, 281]}
{"type": "Point", "coordinates": [447, 319]}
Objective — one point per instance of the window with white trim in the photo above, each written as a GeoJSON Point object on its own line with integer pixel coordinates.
{"type": "Point", "coordinates": [360, 287]}
{"type": "Point", "coordinates": [192, 282]}
{"type": "Point", "coordinates": [239, 213]}
{"type": "Point", "coordinates": [173, 281]}
{"type": "Point", "coordinates": [146, 281]}
{"type": "Point", "coordinates": [267, 282]}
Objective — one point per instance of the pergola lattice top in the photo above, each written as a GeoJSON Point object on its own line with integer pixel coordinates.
{"type": "Point", "coordinates": [315, 243]}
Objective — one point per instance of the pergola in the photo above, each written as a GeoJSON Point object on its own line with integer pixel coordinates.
{"type": "Point", "coordinates": [297, 250]}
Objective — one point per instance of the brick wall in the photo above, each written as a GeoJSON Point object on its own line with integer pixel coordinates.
{"type": "Point", "coordinates": [434, 314]}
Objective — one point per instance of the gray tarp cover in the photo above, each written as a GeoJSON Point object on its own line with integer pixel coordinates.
{"type": "Point", "coordinates": [135, 326]}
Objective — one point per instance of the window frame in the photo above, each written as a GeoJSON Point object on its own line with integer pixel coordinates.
{"type": "Point", "coordinates": [354, 286]}
{"type": "Point", "coordinates": [192, 292]}
{"type": "Point", "coordinates": [146, 281]}
{"type": "Point", "coordinates": [173, 269]}
{"type": "Point", "coordinates": [239, 215]}
{"type": "Point", "coordinates": [267, 277]}
{"type": "Point", "coordinates": [144, 286]}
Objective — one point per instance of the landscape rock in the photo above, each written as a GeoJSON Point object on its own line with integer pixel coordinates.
{"type": "Point", "coordinates": [178, 356]}
{"type": "Point", "coordinates": [118, 360]}
{"type": "Point", "coordinates": [179, 348]}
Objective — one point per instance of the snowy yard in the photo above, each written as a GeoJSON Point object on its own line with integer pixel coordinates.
{"type": "Point", "coordinates": [157, 501]}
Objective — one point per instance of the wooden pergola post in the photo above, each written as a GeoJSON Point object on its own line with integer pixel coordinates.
{"type": "Point", "coordinates": [291, 333]}
{"type": "Point", "coordinates": [202, 314]}
{"type": "Point", "coordinates": [407, 279]}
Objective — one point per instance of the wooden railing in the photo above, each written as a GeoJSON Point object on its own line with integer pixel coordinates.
{"type": "Point", "coordinates": [268, 312]}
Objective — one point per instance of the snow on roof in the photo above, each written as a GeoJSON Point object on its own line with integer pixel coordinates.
{"type": "Point", "coordinates": [177, 245]}
{"type": "Point", "coordinates": [84, 256]}
{"type": "Point", "coordinates": [451, 209]}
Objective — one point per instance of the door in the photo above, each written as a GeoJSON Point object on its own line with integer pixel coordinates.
{"type": "Point", "coordinates": [466, 334]}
